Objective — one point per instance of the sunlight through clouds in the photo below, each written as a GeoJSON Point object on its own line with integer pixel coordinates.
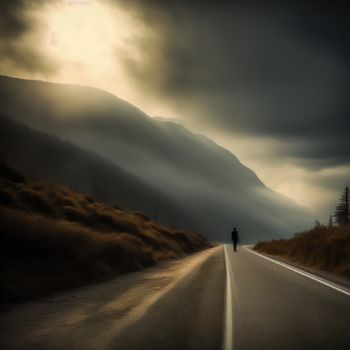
{"type": "Point", "coordinates": [263, 81]}
{"type": "Point", "coordinates": [89, 41]}
{"type": "Point", "coordinates": [85, 33]}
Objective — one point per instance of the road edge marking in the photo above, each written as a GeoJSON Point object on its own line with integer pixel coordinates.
{"type": "Point", "coordinates": [301, 272]}
{"type": "Point", "coordinates": [228, 331]}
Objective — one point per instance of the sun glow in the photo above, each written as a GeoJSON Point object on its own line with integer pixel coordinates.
{"type": "Point", "coordinates": [95, 43]}
{"type": "Point", "coordinates": [89, 41]}
{"type": "Point", "coordinates": [86, 32]}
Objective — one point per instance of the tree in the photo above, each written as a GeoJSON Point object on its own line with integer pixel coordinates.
{"type": "Point", "coordinates": [317, 224]}
{"type": "Point", "coordinates": [342, 213]}
{"type": "Point", "coordinates": [330, 222]}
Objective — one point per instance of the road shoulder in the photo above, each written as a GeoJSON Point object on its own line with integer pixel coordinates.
{"type": "Point", "coordinates": [179, 297]}
{"type": "Point", "coordinates": [321, 275]}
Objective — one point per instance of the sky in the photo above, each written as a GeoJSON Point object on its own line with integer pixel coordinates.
{"type": "Point", "coordinates": [268, 80]}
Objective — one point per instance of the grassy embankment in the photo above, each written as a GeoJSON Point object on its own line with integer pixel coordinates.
{"type": "Point", "coordinates": [54, 239]}
{"type": "Point", "coordinates": [325, 248]}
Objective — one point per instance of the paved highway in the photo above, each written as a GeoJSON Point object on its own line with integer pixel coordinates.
{"type": "Point", "coordinates": [216, 299]}
{"type": "Point", "coordinates": [276, 308]}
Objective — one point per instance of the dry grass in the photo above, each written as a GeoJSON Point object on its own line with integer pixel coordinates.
{"type": "Point", "coordinates": [321, 247]}
{"type": "Point", "coordinates": [53, 239]}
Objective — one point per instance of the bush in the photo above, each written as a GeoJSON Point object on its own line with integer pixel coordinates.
{"type": "Point", "coordinates": [11, 174]}
{"type": "Point", "coordinates": [75, 214]}
{"type": "Point", "coordinates": [141, 216]}
{"type": "Point", "coordinates": [52, 239]}
{"type": "Point", "coordinates": [37, 201]}
{"type": "Point", "coordinates": [321, 247]}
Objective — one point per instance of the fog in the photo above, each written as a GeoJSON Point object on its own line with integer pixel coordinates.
{"type": "Point", "coordinates": [202, 179]}
{"type": "Point", "coordinates": [268, 81]}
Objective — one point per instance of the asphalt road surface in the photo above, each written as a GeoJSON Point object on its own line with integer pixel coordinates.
{"type": "Point", "coordinates": [276, 308]}
{"type": "Point", "coordinates": [216, 299]}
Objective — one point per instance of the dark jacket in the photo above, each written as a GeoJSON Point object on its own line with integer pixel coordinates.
{"type": "Point", "coordinates": [234, 235]}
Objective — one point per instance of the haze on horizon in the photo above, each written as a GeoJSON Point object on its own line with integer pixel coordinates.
{"type": "Point", "coordinates": [269, 82]}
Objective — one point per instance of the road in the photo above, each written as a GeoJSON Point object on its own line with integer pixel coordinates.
{"type": "Point", "coordinates": [276, 308]}
{"type": "Point", "coordinates": [215, 299]}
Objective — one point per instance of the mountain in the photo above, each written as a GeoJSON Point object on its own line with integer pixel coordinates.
{"type": "Point", "coordinates": [209, 183]}
{"type": "Point", "coordinates": [46, 158]}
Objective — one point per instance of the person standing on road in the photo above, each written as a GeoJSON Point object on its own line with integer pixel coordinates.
{"type": "Point", "coordinates": [234, 236]}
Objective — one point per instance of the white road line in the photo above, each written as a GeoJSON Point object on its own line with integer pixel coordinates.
{"type": "Point", "coordinates": [301, 272]}
{"type": "Point", "coordinates": [228, 344]}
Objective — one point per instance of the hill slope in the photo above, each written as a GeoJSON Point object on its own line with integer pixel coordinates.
{"type": "Point", "coordinates": [209, 182]}
{"type": "Point", "coordinates": [48, 159]}
{"type": "Point", "coordinates": [52, 238]}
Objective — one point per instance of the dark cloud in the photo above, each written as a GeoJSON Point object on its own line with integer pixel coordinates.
{"type": "Point", "coordinates": [277, 69]}
{"type": "Point", "coordinates": [12, 23]}
{"type": "Point", "coordinates": [327, 181]}
{"type": "Point", "coordinates": [266, 72]}
{"type": "Point", "coordinates": [316, 154]}
{"type": "Point", "coordinates": [272, 69]}
{"type": "Point", "coordinates": [16, 49]}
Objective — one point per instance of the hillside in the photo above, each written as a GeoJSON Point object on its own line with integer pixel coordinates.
{"type": "Point", "coordinates": [48, 159]}
{"type": "Point", "coordinates": [325, 248]}
{"type": "Point", "coordinates": [206, 181]}
{"type": "Point", "coordinates": [53, 239]}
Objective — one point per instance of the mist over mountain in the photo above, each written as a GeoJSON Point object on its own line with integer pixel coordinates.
{"type": "Point", "coordinates": [48, 159]}
{"type": "Point", "coordinates": [207, 182]}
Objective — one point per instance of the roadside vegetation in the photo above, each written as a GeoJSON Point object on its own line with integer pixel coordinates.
{"type": "Point", "coordinates": [53, 239]}
{"type": "Point", "coordinates": [322, 247]}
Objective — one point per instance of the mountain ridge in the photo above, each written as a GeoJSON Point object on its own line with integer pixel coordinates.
{"type": "Point", "coordinates": [207, 180]}
{"type": "Point", "coordinates": [78, 169]}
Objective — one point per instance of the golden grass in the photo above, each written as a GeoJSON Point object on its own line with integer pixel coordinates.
{"type": "Point", "coordinates": [52, 239]}
{"type": "Point", "coordinates": [326, 248]}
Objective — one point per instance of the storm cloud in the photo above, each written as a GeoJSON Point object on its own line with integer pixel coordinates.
{"type": "Point", "coordinates": [20, 28]}
{"type": "Point", "coordinates": [279, 70]}
{"type": "Point", "coordinates": [268, 80]}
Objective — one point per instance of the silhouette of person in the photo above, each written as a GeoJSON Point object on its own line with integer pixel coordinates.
{"type": "Point", "coordinates": [234, 236]}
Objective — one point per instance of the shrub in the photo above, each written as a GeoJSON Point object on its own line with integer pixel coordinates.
{"type": "Point", "coordinates": [75, 214]}
{"type": "Point", "coordinates": [65, 201]}
{"type": "Point", "coordinates": [11, 174]}
{"type": "Point", "coordinates": [52, 239]}
{"type": "Point", "coordinates": [320, 247]}
{"type": "Point", "coordinates": [141, 216]}
{"type": "Point", "coordinates": [37, 201]}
